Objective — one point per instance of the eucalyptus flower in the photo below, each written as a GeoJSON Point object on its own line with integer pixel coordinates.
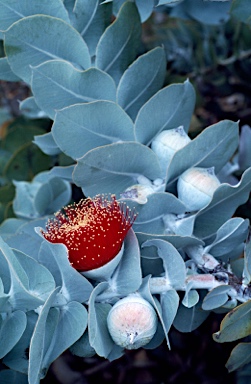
{"type": "Point", "coordinates": [93, 231]}
{"type": "Point", "coordinates": [132, 322]}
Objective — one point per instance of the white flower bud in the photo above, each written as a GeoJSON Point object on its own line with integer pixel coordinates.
{"type": "Point", "coordinates": [167, 143]}
{"type": "Point", "coordinates": [196, 187]}
{"type": "Point", "coordinates": [132, 322]}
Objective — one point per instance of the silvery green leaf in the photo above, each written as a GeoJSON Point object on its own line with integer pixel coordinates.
{"type": "Point", "coordinates": [235, 325]}
{"type": "Point", "coordinates": [71, 325]}
{"type": "Point", "coordinates": [247, 262]}
{"type": "Point", "coordinates": [47, 144]}
{"type": "Point", "coordinates": [134, 90]}
{"type": "Point", "coordinates": [229, 236]}
{"type": "Point", "coordinates": [191, 298]}
{"type": "Point", "coordinates": [127, 276]}
{"type": "Point", "coordinates": [40, 340]}
{"type": "Point", "coordinates": [23, 203]}
{"type": "Point", "coordinates": [63, 172]}
{"type": "Point", "coordinates": [169, 304]}
{"type": "Point", "coordinates": [118, 45]}
{"type": "Point", "coordinates": [188, 319]}
{"type": "Point", "coordinates": [244, 155]}
{"type": "Point", "coordinates": [208, 12]}
{"type": "Point", "coordinates": [25, 239]}
{"type": "Point", "coordinates": [12, 11]}
{"type": "Point", "coordinates": [169, 300]}
{"type": "Point", "coordinates": [21, 297]}
{"type": "Point", "coordinates": [115, 167]}
{"type": "Point", "coordinates": [35, 199]}
{"type": "Point", "coordinates": [8, 376]}
{"type": "Point", "coordinates": [11, 331]}
{"type": "Point", "coordinates": [151, 216]}
{"type": "Point", "coordinates": [174, 265]}
{"type": "Point", "coordinates": [52, 196]}
{"type": "Point", "coordinates": [69, 86]}
{"type": "Point", "coordinates": [99, 335]}
{"type": "Point", "coordinates": [82, 347]}
{"type": "Point", "coordinates": [90, 18]}
{"type": "Point", "coordinates": [6, 73]}
{"type": "Point", "coordinates": [145, 8]}
{"type": "Point", "coordinates": [240, 355]}
{"type": "Point", "coordinates": [224, 203]}
{"type": "Point", "coordinates": [30, 109]}
{"type": "Point", "coordinates": [26, 46]}
{"type": "Point", "coordinates": [241, 10]}
{"type": "Point", "coordinates": [216, 297]}
{"type": "Point", "coordinates": [115, 353]}
{"type": "Point", "coordinates": [17, 358]}
{"type": "Point", "coordinates": [55, 258]}
{"type": "Point", "coordinates": [162, 2]}
{"type": "Point", "coordinates": [40, 280]}
{"type": "Point", "coordinates": [169, 108]}
{"type": "Point", "coordinates": [79, 128]}
{"type": "Point", "coordinates": [176, 240]}
{"type": "Point", "coordinates": [10, 226]}
{"type": "Point", "coordinates": [157, 338]}
{"type": "Point", "coordinates": [213, 147]}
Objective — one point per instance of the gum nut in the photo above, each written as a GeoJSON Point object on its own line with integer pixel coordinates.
{"type": "Point", "coordinates": [196, 187]}
{"type": "Point", "coordinates": [168, 142]}
{"type": "Point", "coordinates": [132, 322]}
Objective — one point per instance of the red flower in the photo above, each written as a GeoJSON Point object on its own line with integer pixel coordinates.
{"type": "Point", "coordinates": [93, 230]}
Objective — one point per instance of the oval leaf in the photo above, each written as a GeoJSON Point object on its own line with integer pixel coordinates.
{"type": "Point", "coordinates": [82, 127]}
{"type": "Point", "coordinates": [69, 86]}
{"type": "Point", "coordinates": [169, 108]}
{"type": "Point", "coordinates": [134, 90]}
{"type": "Point", "coordinates": [36, 39]}
{"type": "Point", "coordinates": [115, 167]}
{"type": "Point", "coordinates": [12, 11]}
{"type": "Point", "coordinates": [118, 45]}
{"type": "Point", "coordinates": [213, 147]}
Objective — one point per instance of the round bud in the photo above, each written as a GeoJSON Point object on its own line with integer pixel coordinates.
{"type": "Point", "coordinates": [166, 143]}
{"type": "Point", "coordinates": [196, 187]}
{"type": "Point", "coordinates": [132, 322]}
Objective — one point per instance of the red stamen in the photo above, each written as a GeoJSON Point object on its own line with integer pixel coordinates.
{"type": "Point", "coordinates": [93, 230]}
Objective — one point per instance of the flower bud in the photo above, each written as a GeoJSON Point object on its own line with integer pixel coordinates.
{"type": "Point", "coordinates": [167, 143]}
{"type": "Point", "coordinates": [132, 322]}
{"type": "Point", "coordinates": [196, 187]}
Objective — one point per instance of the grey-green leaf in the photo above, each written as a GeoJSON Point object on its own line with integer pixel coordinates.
{"type": "Point", "coordinates": [11, 331]}
{"type": "Point", "coordinates": [118, 45]}
{"type": "Point", "coordinates": [174, 265]}
{"type": "Point", "coordinates": [6, 73]}
{"type": "Point", "coordinates": [69, 86]}
{"type": "Point", "coordinates": [213, 147]}
{"type": "Point", "coordinates": [115, 167]}
{"type": "Point", "coordinates": [141, 81]}
{"type": "Point", "coordinates": [12, 11]}
{"type": "Point", "coordinates": [127, 277]}
{"type": "Point", "coordinates": [240, 355]}
{"type": "Point", "coordinates": [99, 336]}
{"type": "Point", "coordinates": [169, 108]}
{"type": "Point", "coordinates": [79, 128]}
{"type": "Point", "coordinates": [225, 201]}
{"type": "Point", "coordinates": [36, 39]}
{"type": "Point", "coordinates": [55, 258]}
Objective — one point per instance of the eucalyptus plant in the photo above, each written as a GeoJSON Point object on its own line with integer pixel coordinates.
{"type": "Point", "coordinates": [154, 242]}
